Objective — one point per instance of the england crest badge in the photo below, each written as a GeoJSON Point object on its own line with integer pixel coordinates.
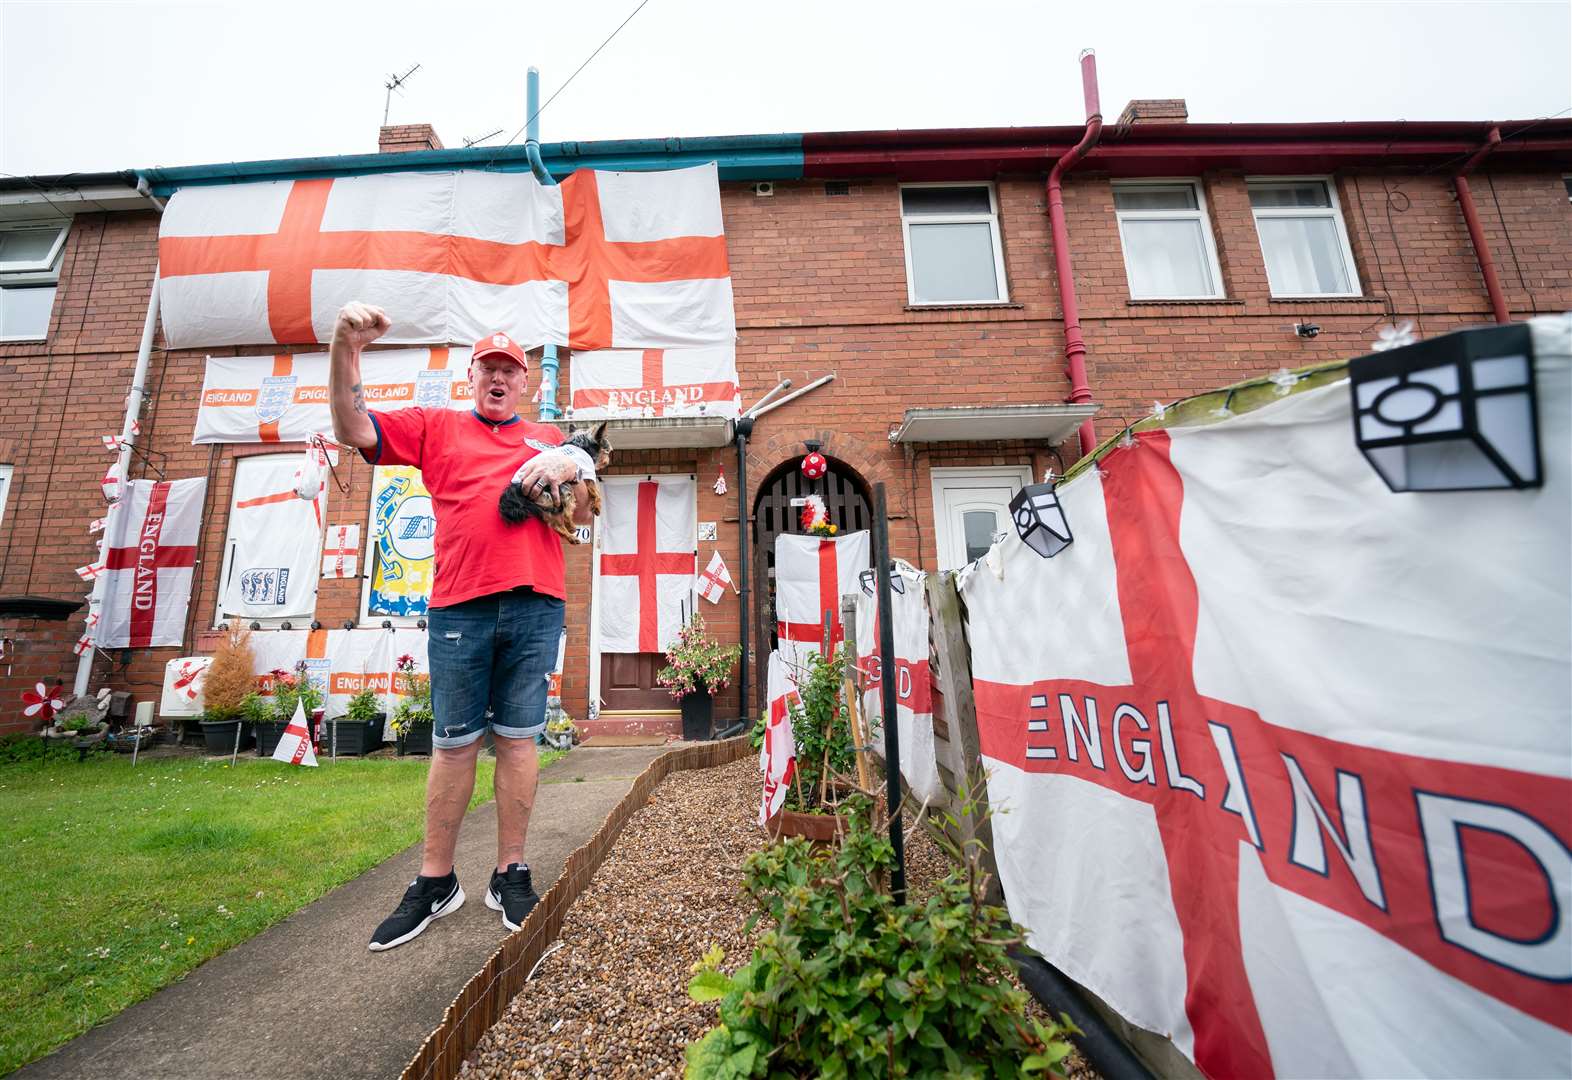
{"type": "Point", "coordinates": [275, 398]}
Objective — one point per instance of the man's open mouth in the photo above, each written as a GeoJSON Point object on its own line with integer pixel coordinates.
{"type": "Point", "coordinates": [496, 393]}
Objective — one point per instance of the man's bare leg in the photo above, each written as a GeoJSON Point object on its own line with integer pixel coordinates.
{"type": "Point", "coordinates": [518, 771]}
{"type": "Point", "coordinates": [449, 785]}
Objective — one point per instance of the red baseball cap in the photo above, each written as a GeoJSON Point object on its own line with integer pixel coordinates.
{"type": "Point", "coordinates": [499, 344]}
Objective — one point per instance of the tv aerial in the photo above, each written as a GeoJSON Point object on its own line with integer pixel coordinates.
{"type": "Point", "coordinates": [481, 138]}
{"type": "Point", "coordinates": [393, 83]}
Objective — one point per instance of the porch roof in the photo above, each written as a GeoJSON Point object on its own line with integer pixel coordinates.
{"type": "Point", "coordinates": [1050, 423]}
{"type": "Point", "coordinates": [660, 432]}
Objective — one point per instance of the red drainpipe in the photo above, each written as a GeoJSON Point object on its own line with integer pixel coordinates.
{"type": "Point", "coordinates": [1465, 199]}
{"type": "Point", "coordinates": [1074, 344]}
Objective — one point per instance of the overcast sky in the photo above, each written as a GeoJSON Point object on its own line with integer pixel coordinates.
{"type": "Point", "coordinates": [121, 84]}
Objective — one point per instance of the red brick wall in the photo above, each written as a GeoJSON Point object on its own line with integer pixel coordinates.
{"type": "Point", "coordinates": [820, 287]}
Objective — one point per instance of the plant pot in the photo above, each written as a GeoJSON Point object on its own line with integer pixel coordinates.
{"type": "Point", "coordinates": [415, 741]}
{"type": "Point", "coordinates": [220, 736]}
{"type": "Point", "coordinates": [355, 737]}
{"type": "Point", "coordinates": [267, 736]}
{"type": "Point", "coordinates": [698, 714]}
{"type": "Point", "coordinates": [818, 828]}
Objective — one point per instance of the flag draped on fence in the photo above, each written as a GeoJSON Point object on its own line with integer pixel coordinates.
{"type": "Point", "coordinates": [1283, 754]}
{"type": "Point", "coordinates": [649, 548]}
{"type": "Point", "coordinates": [778, 754]}
{"type": "Point", "coordinates": [656, 382]}
{"type": "Point", "coordinates": [914, 686]}
{"type": "Point", "coordinates": [277, 541]}
{"type": "Point", "coordinates": [284, 398]}
{"type": "Point", "coordinates": [812, 573]}
{"type": "Point", "coordinates": [603, 260]}
{"type": "Point", "coordinates": [150, 550]}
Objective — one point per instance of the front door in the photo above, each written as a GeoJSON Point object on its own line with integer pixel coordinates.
{"type": "Point", "coordinates": [970, 507]}
{"type": "Point", "coordinates": [627, 683]}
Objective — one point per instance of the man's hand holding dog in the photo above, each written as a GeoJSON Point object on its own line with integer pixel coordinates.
{"type": "Point", "coordinates": [544, 475]}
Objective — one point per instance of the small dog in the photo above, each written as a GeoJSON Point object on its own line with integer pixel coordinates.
{"type": "Point", "coordinates": [555, 506]}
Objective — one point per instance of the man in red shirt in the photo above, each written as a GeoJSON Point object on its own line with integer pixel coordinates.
{"type": "Point", "coordinates": [496, 603]}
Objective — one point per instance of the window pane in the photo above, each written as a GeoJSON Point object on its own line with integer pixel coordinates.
{"type": "Point", "coordinates": [980, 525]}
{"type": "Point", "coordinates": [946, 200]}
{"type": "Point", "coordinates": [24, 313]}
{"type": "Point", "coordinates": [1167, 259]}
{"type": "Point", "coordinates": [26, 245]}
{"type": "Point", "coordinates": [1309, 194]}
{"type": "Point", "coordinates": [1145, 197]}
{"type": "Point", "coordinates": [1303, 256]}
{"type": "Point", "coordinates": [953, 263]}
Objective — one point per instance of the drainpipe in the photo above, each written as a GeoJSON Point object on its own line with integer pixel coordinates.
{"type": "Point", "coordinates": [1476, 233]}
{"type": "Point", "coordinates": [548, 360]}
{"type": "Point", "coordinates": [1074, 345]}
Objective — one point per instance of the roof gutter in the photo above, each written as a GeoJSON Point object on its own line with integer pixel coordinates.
{"type": "Point", "coordinates": [1074, 344]}
{"type": "Point", "coordinates": [1476, 232]}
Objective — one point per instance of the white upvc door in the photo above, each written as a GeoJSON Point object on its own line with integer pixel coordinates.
{"type": "Point", "coordinates": [970, 506]}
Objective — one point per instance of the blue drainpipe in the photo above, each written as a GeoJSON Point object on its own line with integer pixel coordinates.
{"type": "Point", "coordinates": [549, 364]}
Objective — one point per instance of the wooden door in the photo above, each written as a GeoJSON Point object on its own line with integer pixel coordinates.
{"type": "Point", "coordinates": [627, 683]}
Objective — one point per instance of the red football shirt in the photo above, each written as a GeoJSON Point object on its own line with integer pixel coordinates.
{"type": "Point", "coordinates": [465, 462]}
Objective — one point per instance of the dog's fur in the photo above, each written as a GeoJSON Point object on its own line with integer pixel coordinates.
{"type": "Point", "coordinates": [556, 506]}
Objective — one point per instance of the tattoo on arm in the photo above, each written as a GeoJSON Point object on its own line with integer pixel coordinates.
{"type": "Point", "coordinates": [360, 397]}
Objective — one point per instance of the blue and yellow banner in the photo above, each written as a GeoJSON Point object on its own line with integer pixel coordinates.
{"type": "Point", "coordinates": [403, 528]}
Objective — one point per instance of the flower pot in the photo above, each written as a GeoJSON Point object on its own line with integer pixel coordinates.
{"type": "Point", "coordinates": [220, 735]}
{"type": "Point", "coordinates": [417, 740]}
{"type": "Point", "coordinates": [354, 737]}
{"type": "Point", "coordinates": [818, 828]}
{"type": "Point", "coordinates": [698, 713]}
{"type": "Point", "coordinates": [267, 736]}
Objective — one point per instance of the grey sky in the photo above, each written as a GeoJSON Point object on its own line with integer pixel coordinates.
{"type": "Point", "coordinates": [106, 85]}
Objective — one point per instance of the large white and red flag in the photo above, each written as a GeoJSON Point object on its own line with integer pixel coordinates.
{"type": "Point", "coordinates": [632, 260]}
{"type": "Point", "coordinates": [649, 549]}
{"type": "Point", "coordinates": [1284, 755]}
{"type": "Point", "coordinates": [913, 678]}
{"type": "Point", "coordinates": [149, 552]}
{"type": "Point", "coordinates": [277, 542]}
{"type": "Point", "coordinates": [656, 382]}
{"type": "Point", "coordinates": [284, 398]}
{"type": "Point", "coordinates": [778, 753]}
{"type": "Point", "coordinates": [812, 573]}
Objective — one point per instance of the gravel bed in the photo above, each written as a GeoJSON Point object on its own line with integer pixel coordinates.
{"type": "Point", "coordinates": [612, 1000]}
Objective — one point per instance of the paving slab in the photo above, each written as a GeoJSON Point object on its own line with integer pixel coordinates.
{"type": "Point", "coordinates": [306, 998]}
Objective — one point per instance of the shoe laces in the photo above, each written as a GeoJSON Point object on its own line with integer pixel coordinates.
{"type": "Point", "coordinates": [514, 889]}
{"type": "Point", "coordinates": [416, 900]}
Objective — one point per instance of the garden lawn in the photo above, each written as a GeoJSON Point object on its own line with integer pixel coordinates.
{"type": "Point", "coordinates": [118, 881]}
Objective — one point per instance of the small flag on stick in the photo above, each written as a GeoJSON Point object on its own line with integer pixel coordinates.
{"type": "Point", "coordinates": [713, 582]}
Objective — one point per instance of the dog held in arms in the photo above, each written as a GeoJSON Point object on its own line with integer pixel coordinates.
{"type": "Point", "coordinates": [556, 506]}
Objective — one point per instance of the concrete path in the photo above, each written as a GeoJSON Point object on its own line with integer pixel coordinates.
{"type": "Point", "coordinates": [306, 998]}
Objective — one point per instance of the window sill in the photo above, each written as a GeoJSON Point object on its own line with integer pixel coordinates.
{"type": "Point", "coordinates": [1217, 301]}
{"type": "Point", "coordinates": [39, 340]}
{"type": "Point", "coordinates": [992, 305]}
{"type": "Point", "coordinates": [1326, 300]}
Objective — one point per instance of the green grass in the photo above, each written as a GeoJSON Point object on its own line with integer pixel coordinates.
{"type": "Point", "coordinates": [119, 881]}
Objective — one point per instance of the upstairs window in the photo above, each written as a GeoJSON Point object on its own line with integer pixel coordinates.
{"type": "Point", "coordinates": [953, 255]}
{"type": "Point", "coordinates": [1302, 238]}
{"type": "Point", "coordinates": [1168, 248]}
{"type": "Point", "coordinates": [29, 274]}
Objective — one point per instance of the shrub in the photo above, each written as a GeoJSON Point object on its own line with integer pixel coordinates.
{"type": "Point", "coordinates": [851, 984]}
{"type": "Point", "coordinates": [363, 707]}
{"type": "Point", "coordinates": [290, 689]}
{"type": "Point", "coordinates": [821, 729]}
{"type": "Point", "coordinates": [696, 664]}
{"type": "Point", "coordinates": [256, 709]}
{"type": "Point", "coordinates": [229, 678]}
{"type": "Point", "coordinates": [414, 708]}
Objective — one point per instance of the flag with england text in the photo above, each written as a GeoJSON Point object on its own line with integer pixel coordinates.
{"type": "Point", "coordinates": [715, 579]}
{"type": "Point", "coordinates": [626, 260]}
{"type": "Point", "coordinates": [649, 549]}
{"type": "Point", "coordinates": [914, 684]}
{"type": "Point", "coordinates": [149, 553]}
{"type": "Point", "coordinates": [1283, 755]}
{"type": "Point", "coordinates": [812, 573]}
{"type": "Point", "coordinates": [656, 383]}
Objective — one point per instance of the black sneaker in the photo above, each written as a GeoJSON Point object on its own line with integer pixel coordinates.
{"type": "Point", "coordinates": [426, 898]}
{"type": "Point", "coordinates": [512, 894]}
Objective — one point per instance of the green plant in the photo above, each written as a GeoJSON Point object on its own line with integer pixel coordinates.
{"type": "Point", "coordinates": [696, 664]}
{"type": "Point", "coordinates": [256, 709]}
{"type": "Point", "coordinates": [821, 729]}
{"type": "Point", "coordinates": [23, 749]}
{"type": "Point", "coordinates": [849, 983]}
{"type": "Point", "coordinates": [414, 708]}
{"type": "Point", "coordinates": [363, 707]}
{"type": "Point", "coordinates": [79, 721]}
{"type": "Point", "coordinates": [291, 689]}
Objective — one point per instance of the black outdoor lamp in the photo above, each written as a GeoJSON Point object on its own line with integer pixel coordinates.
{"type": "Point", "coordinates": [1454, 413]}
{"type": "Point", "coordinates": [1039, 519]}
{"type": "Point", "coordinates": [869, 579]}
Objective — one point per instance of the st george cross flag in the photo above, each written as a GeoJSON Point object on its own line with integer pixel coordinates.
{"type": "Point", "coordinates": [341, 550]}
{"type": "Point", "coordinates": [649, 548]}
{"type": "Point", "coordinates": [630, 260]}
{"type": "Point", "coordinates": [713, 582]}
{"type": "Point", "coordinates": [812, 573]}
{"type": "Point", "coordinates": [914, 686]}
{"type": "Point", "coordinates": [184, 679]}
{"type": "Point", "coordinates": [149, 551]}
{"type": "Point", "coordinates": [283, 398]}
{"type": "Point", "coordinates": [276, 539]}
{"type": "Point", "coordinates": [1284, 754]}
{"type": "Point", "coordinates": [294, 746]}
{"type": "Point", "coordinates": [778, 754]}
{"type": "Point", "coordinates": [656, 382]}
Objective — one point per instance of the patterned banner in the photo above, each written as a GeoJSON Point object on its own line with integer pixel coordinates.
{"type": "Point", "coordinates": [403, 529]}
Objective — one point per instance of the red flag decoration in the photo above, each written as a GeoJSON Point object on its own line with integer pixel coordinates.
{"type": "Point", "coordinates": [1284, 756]}
{"type": "Point", "coordinates": [294, 746]}
{"type": "Point", "coordinates": [778, 754]}
{"type": "Point", "coordinates": [812, 573]}
{"type": "Point", "coordinates": [111, 484]}
{"type": "Point", "coordinates": [340, 551]}
{"type": "Point", "coordinates": [656, 382]}
{"type": "Point", "coordinates": [184, 679]}
{"type": "Point", "coordinates": [713, 582]}
{"type": "Point", "coordinates": [83, 644]}
{"type": "Point", "coordinates": [43, 702]}
{"type": "Point", "coordinates": [648, 553]}
{"type": "Point", "coordinates": [914, 685]}
{"type": "Point", "coordinates": [605, 260]}
{"type": "Point", "coordinates": [150, 550]}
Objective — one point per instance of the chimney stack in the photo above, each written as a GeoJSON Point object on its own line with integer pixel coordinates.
{"type": "Point", "coordinates": [1154, 111]}
{"type": "Point", "coordinates": [402, 138]}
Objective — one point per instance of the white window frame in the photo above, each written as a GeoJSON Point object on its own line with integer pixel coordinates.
{"type": "Point", "coordinates": [368, 550]}
{"type": "Point", "coordinates": [1198, 214]}
{"type": "Point", "coordinates": [991, 218]}
{"type": "Point", "coordinates": [961, 478]}
{"type": "Point", "coordinates": [38, 273]}
{"type": "Point", "coordinates": [7, 474]}
{"type": "Point", "coordinates": [1335, 209]}
{"type": "Point", "coordinates": [275, 623]}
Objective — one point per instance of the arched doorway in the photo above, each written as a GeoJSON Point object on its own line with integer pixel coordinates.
{"type": "Point", "coordinates": [850, 509]}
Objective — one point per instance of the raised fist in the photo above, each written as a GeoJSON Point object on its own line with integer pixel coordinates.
{"type": "Point", "coordinates": [360, 324]}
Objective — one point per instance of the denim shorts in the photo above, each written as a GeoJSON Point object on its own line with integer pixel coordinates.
{"type": "Point", "coordinates": [491, 653]}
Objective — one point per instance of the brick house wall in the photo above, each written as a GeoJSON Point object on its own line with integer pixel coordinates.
{"type": "Point", "coordinates": [820, 287]}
